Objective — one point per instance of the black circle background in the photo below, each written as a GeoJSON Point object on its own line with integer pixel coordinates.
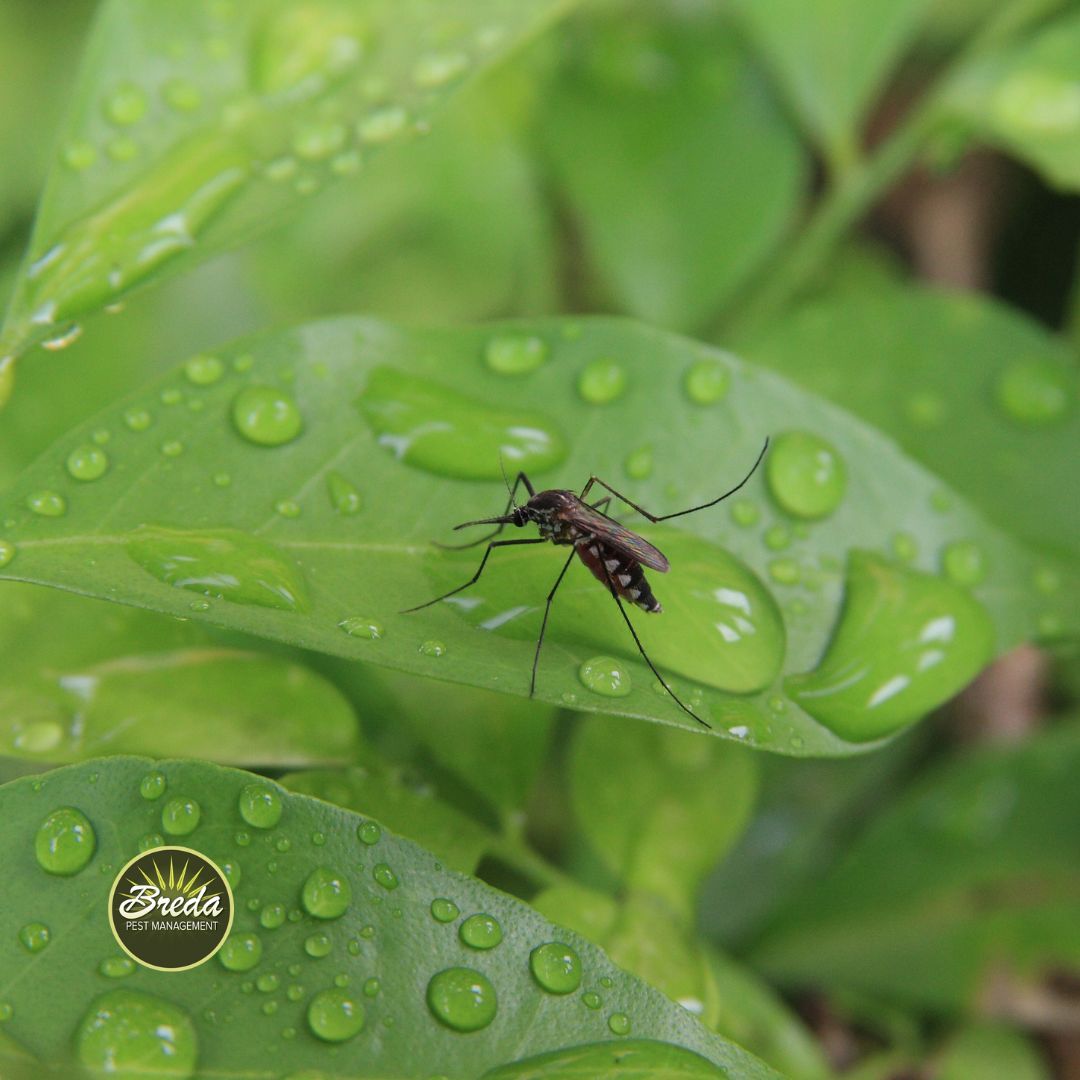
{"type": "Point", "coordinates": [171, 950]}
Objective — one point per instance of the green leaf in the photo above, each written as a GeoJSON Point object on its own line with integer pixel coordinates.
{"type": "Point", "coordinates": [964, 891]}
{"type": "Point", "coordinates": [681, 172]}
{"type": "Point", "coordinates": [51, 990]}
{"type": "Point", "coordinates": [386, 438]}
{"type": "Point", "coordinates": [642, 937]}
{"type": "Point", "coordinates": [831, 58]}
{"type": "Point", "coordinates": [81, 678]}
{"type": "Point", "coordinates": [195, 122]}
{"type": "Point", "coordinates": [991, 1052]}
{"type": "Point", "coordinates": [634, 1059]}
{"type": "Point", "coordinates": [411, 809]}
{"type": "Point", "coordinates": [655, 841]}
{"type": "Point", "coordinates": [974, 390]}
{"type": "Point", "coordinates": [1025, 100]}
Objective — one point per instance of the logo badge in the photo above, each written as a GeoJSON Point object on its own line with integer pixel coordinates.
{"type": "Point", "coordinates": [170, 908]}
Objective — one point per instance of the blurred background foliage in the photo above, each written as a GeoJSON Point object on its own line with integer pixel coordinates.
{"type": "Point", "coordinates": [911, 913]}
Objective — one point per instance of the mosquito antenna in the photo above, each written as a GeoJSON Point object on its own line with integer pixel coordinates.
{"type": "Point", "coordinates": [506, 481]}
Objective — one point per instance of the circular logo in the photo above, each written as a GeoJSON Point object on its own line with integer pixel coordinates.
{"type": "Point", "coordinates": [170, 908]}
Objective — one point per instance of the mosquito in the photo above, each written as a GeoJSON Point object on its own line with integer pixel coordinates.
{"type": "Point", "coordinates": [613, 553]}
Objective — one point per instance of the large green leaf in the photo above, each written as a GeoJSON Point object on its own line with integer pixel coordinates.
{"type": "Point", "coordinates": [965, 893]}
{"type": "Point", "coordinates": [81, 678]}
{"type": "Point", "coordinates": [679, 169]}
{"type": "Point", "coordinates": [974, 390]}
{"type": "Point", "coordinates": [831, 57]}
{"type": "Point", "coordinates": [194, 122]}
{"type": "Point", "coordinates": [384, 947]}
{"type": "Point", "coordinates": [365, 442]}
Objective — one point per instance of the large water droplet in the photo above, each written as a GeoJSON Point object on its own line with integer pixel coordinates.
{"type": "Point", "coordinates": [602, 382]}
{"type": "Point", "coordinates": [385, 876]}
{"type": "Point", "coordinates": [556, 967]}
{"type": "Point", "coordinates": [480, 931]}
{"type": "Point", "coordinates": [224, 563]}
{"type": "Point", "coordinates": [180, 816]}
{"type": "Point", "coordinates": [326, 893]}
{"type": "Point", "coordinates": [34, 936]}
{"type": "Point", "coordinates": [87, 463]}
{"type": "Point", "coordinates": [619, 1023]}
{"type": "Point", "coordinates": [137, 1035]}
{"type": "Point", "coordinates": [241, 952]}
{"type": "Point", "coordinates": [344, 496]}
{"type": "Point", "coordinates": [515, 354]}
{"type": "Point", "coordinates": [65, 842]}
{"type": "Point", "coordinates": [47, 503]}
{"type": "Point", "coordinates": [603, 675]}
{"type": "Point", "coordinates": [368, 832]}
{"type": "Point", "coordinates": [266, 416]}
{"type": "Point", "coordinates": [1036, 392]}
{"type": "Point", "coordinates": [260, 805]}
{"type": "Point", "coordinates": [805, 475]}
{"type": "Point", "coordinates": [905, 642]}
{"type": "Point", "coordinates": [335, 1015]}
{"type": "Point", "coordinates": [435, 428]}
{"type": "Point", "coordinates": [462, 999]}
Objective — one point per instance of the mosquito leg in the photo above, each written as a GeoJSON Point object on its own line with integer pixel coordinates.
{"type": "Point", "coordinates": [645, 655]}
{"type": "Point", "coordinates": [479, 570]}
{"type": "Point", "coordinates": [521, 478]}
{"type": "Point", "coordinates": [543, 624]}
{"type": "Point", "coordinates": [667, 517]}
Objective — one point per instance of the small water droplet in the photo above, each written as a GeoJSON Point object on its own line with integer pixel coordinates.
{"type": "Point", "coordinates": [138, 419]}
{"type": "Point", "coordinates": [204, 370]}
{"type": "Point", "coordinates": [152, 785]}
{"type": "Point", "coordinates": [371, 987]}
{"type": "Point", "coordinates": [260, 805]}
{"type": "Point", "coordinates": [126, 105]}
{"type": "Point", "coordinates": [462, 999]}
{"type": "Point", "coordinates": [437, 69]}
{"type": "Point", "coordinates": [383, 125]}
{"type": "Point", "coordinates": [34, 936]}
{"type": "Point", "coordinates": [707, 382]}
{"type": "Point", "coordinates": [7, 552]}
{"type": "Point", "coordinates": [745, 513]}
{"type": "Point", "coordinates": [172, 448]}
{"type": "Point", "coordinates": [963, 562]}
{"type": "Point", "coordinates": [117, 967]}
{"type": "Point", "coordinates": [180, 816]}
{"type": "Point", "coordinates": [777, 537]}
{"type": "Point", "coordinates": [272, 916]}
{"type": "Point", "coordinates": [319, 140]}
{"type": "Point", "coordinates": [591, 999]}
{"type": "Point", "coordinates": [267, 983]}
{"type": "Point", "coordinates": [79, 155]}
{"type": "Point", "coordinates": [65, 842]}
{"type": "Point", "coordinates": [241, 952]}
{"type": "Point", "coordinates": [619, 1023]}
{"type": "Point", "coordinates": [344, 496]}
{"type": "Point", "coordinates": [101, 436]}
{"type": "Point", "coordinates": [433, 648]}
{"type": "Point", "coordinates": [287, 508]}
{"type": "Point", "coordinates": [603, 675]}
{"type": "Point", "coordinates": [805, 475]}
{"type": "Point", "coordinates": [556, 967]}
{"type": "Point", "coordinates": [926, 409]}
{"type": "Point", "coordinates": [515, 354]}
{"type": "Point", "coordinates": [335, 1015]}
{"type": "Point", "coordinates": [602, 382]}
{"type": "Point", "coordinates": [639, 464]}
{"type": "Point", "coordinates": [181, 95]}
{"type": "Point", "coordinates": [385, 876]}
{"type": "Point", "coordinates": [480, 931]}
{"type": "Point", "coordinates": [360, 626]}
{"type": "Point", "coordinates": [266, 416]}
{"type": "Point", "coordinates": [1047, 580]}
{"type": "Point", "coordinates": [443, 910]}
{"type": "Point", "coordinates": [87, 463]}
{"type": "Point", "coordinates": [129, 1033]}
{"type": "Point", "coordinates": [47, 503]}
{"type": "Point", "coordinates": [368, 832]}
{"type": "Point", "coordinates": [346, 163]}
{"type": "Point", "coordinates": [905, 547]}
{"type": "Point", "coordinates": [784, 571]}
{"type": "Point", "coordinates": [123, 148]}
{"type": "Point", "coordinates": [326, 893]}
{"type": "Point", "coordinates": [1036, 392]}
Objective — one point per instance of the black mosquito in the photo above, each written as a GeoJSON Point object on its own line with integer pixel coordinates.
{"type": "Point", "coordinates": [613, 553]}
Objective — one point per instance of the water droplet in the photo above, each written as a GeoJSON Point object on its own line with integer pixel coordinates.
{"type": "Point", "coordinates": [126, 105]}
{"type": "Point", "coordinates": [180, 816]}
{"type": "Point", "coordinates": [964, 562]}
{"type": "Point", "coordinates": [344, 497]}
{"type": "Point", "coordinates": [318, 945]}
{"type": "Point", "coordinates": [602, 382]}
{"type": "Point", "coordinates": [777, 537]}
{"type": "Point", "coordinates": [260, 805]}
{"type": "Point", "coordinates": [326, 894]}
{"type": "Point", "coordinates": [79, 155]}
{"type": "Point", "coordinates": [603, 675]}
{"type": "Point", "coordinates": [371, 987]}
{"type": "Point", "coordinates": [272, 916]}
{"type": "Point", "coordinates": [480, 931]}
{"type": "Point", "coordinates": [369, 832]}
{"type": "Point", "coordinates": [7, 552]}
{"type": "Point", "coordinates": [102, 436]}
{"type": "Point", "coordinates": [138, 419]}
{"type": "Point", "coordinates": [267, 983]}
{"type": "Point", "coordinates": [266, 416]}
{"type": "Point", "coordinates": [639, 464]}
{"type": "Point", "coordinates": [63, 339]}
{"type": "Point", "coordinates": [905, 547]}
{"type": "Point", "coordinates": [299, 47]}
{"type": "Point", "coordinates": [287, 508]}
{"type": "Point", "coordinates": [117, 967]}
{"type": "Point", "coordinates": [319, 140]}
{"type": "Point", "coordinates": [123, 148]}
{"type": "Point", "coordinates": [619, 1023]}
{"type": "Point", "coordinates": [805, 475]}
{"type": "Point", "coordinates": [385, 876]}
{"type": "Point", "coordinates": [1036, 392]}
{"type": "Point", "coordinates": [745, 513]}
{"type": "Point", "coordinates": [437, 69]}
{"type": "Point", "coordinates": [784, 571]}
{"type": "Point", "coordinates": [335, 1015]}
{"type": "Point", "coordinates": [1047, 580]}
{"type": "Point", "coordinates": [515, 354]}
{"type": "Point", "coordinates": [241, 952]}
{"type": "Point", "coordinates": [65, 842]}
{"type": "Point", "coordinates": [443, 910]}
{"type": "Point", "coordinates": [172, 448]}
{"type": "Point", "coordinates": [905, 642]}
{"type": "Point", "coordinates": [556, 967]}
{"type": "Point", "coordinates": [224, 564]}
{"type": "Point", "coordinates": [34, 936]}
{"type": "Point", "coordinates": [926, 409]}
{"type": "Point", "coordinates": [7, 1011]}
{"type": "Point", "coordinates": [707, 382]}
{"type": "Point", "coordinates": [181, 95]}
{"type": "Point", "coordinates": [361, 626]}
{"type": "Point", "coordinates": [383, 125]}
{"type": "Point", "coordinates": [591, 1000]}
{"type": "Point", "coordinates": [134, 1034]}
{"type": "Point", "coordinates": [87, 463]}
{"type": "Point", "coordinates": [38, 736]}
{"type": "Point", "coordinates": [47, 503]}
{"type": "Point", "coordinates": [152, 785]}
{"type": "Point", "coordinates": [434, 428]}
{"type": "Point", "coordinates": [204, 370]}
{"type": "Point", "coordinates": [462, 999]}
{"type": "Point", "coordinates": [346, 163]}
{"type": "Point", "coordinates": [433, 648]}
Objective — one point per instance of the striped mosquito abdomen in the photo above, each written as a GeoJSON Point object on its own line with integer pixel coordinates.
{"type": "Point", "coordinates": [626, 577]}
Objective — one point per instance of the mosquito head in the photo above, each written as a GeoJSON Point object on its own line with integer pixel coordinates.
{"type": "Point", "coordinates": [518, 516]}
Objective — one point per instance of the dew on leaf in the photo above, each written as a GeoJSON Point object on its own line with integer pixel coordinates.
{"type": "Point", "coordinates": [204, 370]}
{"type": "Point", "coordinates": [272, 916]}
{"type": "Point", "coordinates": [606, 676]}
{"type": "Point", "coordinates": [335, 1015]}
{"type": "Point", "coordinates": [181, 95]}
{"type": "Point", "coordinates": [152, 785]}
{"type": "Point", "coordinates": [432, 648]}
{"type": "Point", "coordinates": [65, 842]}
{"type": "Point", "coordinates": [963, 561]}
{"type": "Point", "coordinates": [87, 463]}
{"type": "Point", "coordinates": [904, 546]}
{"type": "Point", "coordinates": [241, 952]}
{"type": "Point", "coordinates": [1035, 392]}
{"type": "Point", "coordinates": [360, 626]}
{"type": "Point", "coordinates": [318, 140]}
{"type": "Point", "coordinates": [326, 893]}
{"type": "Point", "coordinates": [266, 416]}
{"type": "Point", "coordinates": [556, 967]}
{"type": "Point", "coordinates": [137, 419]}
{"type": "Point", "coordinates": [745, 513]}
{"type": "Point", "coordinates": [172, 448]}
{"type": "Point", "coordinates": [515, 354]}
{"type": "Point", "coordinates": [7, 552]}
{"type": "Point", "coordinates": [287, 508]}
{"type": "Point", "coordinates": [480, 931]}
{"type": "Point", "coordinates": [619, 1023]}
{"type": "Point", "coordinates": [318, 945]}
{"type": "Point", "coordinates": [805, 475]}
{"type": "Point", "coordinates": [368, 832]}
{"type": "Point", "coordinates": [47, 503]}
{"type": "Point", "coordinates": [79, 155]}
{"type": "Point", "coordinates": [117, 967]}
{"type": "Point", "coordinates": [639, 464]}
{"type": "Point", "coordinates": [602, 381]}
{"type": "Point", "coordinates": [180, 816]}
{"type": "Point", "coordinates": [260, 805]}
{"type": "Point", "coordinates": [437, 69]}
{"type": "Point", "coordinates": [777, 537]}
{"type": "Point", "coordinates": [462, 999]}
{"type": "Point", "coordinates": [344, 496]}
{"type": "Point", "coordinates": [444, 910]}
{"type": "Point", "coordinates": [383, 125]}
{"type": "Point", "coordinates": [34, 936]}
{"type": "Point", "coordinates": [707, 382]}
{"type": "Point", "coordinates": [385, 876]}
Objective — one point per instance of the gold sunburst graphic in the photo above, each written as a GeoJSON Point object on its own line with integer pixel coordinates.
{"type": "Point", "coordinates": [173, 885]}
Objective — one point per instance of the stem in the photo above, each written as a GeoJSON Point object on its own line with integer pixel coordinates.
{"type": "Point", "coordinates": [861, 186]}
{"type": "Point", "coordinates": [519, 856]}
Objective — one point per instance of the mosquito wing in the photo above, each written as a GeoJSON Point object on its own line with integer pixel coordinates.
{"type": "Point", "coordinates": [616, 536]}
